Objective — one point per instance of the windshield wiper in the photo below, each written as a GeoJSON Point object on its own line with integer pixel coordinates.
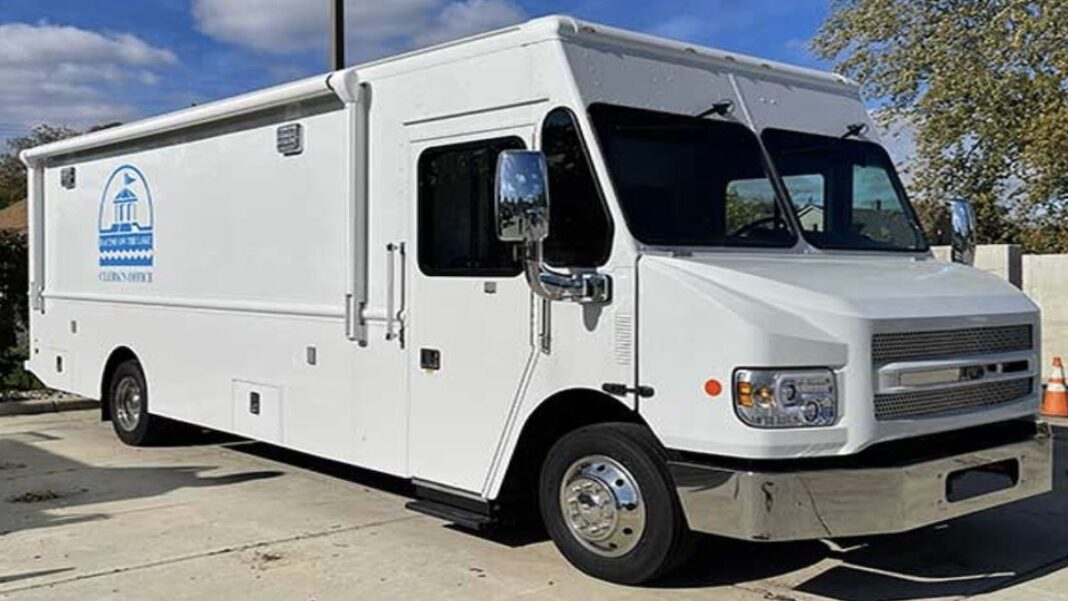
{"type": "Point", "coordinates": [854, 130]}
{"type": "Point", "coordinates": [721, 108]}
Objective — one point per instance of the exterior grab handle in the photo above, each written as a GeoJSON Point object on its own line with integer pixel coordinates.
{"type": "Point", "coordinates": [395, 315]}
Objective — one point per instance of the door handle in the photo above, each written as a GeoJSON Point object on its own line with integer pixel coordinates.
{"type": "Point", "coordinates": [395, 315]}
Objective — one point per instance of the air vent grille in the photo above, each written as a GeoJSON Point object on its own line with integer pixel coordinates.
{"type": "Point", "coordinates": [926, 403]}
{"type": "Point", "coordinates": [939, 344]}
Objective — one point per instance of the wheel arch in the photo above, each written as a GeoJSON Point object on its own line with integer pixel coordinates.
{"type": "Point", "coordinates": [117, 356]}
{"type": "Point", "coordinates": [562, 412]}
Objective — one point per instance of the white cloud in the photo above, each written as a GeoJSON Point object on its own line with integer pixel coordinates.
{"type": "Point", "coordinates": [21, 43]}
{"type": "Point", "coordinates": [681, 27]}
{"type": "Point", "coordinates": [373, 27]}
{"type": "Point", "coordinates": [66, 76]}
{"type": "Point", "coordinates": [464, 18]}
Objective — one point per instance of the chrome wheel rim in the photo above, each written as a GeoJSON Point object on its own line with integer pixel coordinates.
{"type": "Point", "coordinates": [128, 403]}
{"type": "Point", "coordinates": [602, 506]}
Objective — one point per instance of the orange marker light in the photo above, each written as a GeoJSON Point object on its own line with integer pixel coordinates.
{"type": "Point", "coordinates": [745, 394]}
{"type": "Point", "coordinates": [713, 387]}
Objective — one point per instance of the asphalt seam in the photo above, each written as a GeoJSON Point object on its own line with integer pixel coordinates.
{"type": "Point", "coordinates": [772, 591]}
{"type": "Point", "coordinates": [211, 553]}
{"type": "Point", "coordinates": [1021, 577]}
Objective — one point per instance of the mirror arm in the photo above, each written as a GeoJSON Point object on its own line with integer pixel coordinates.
{"type": "Point", "coordinates": [521, 210]}
{"type": "Point", "coordinates": [586, 288]}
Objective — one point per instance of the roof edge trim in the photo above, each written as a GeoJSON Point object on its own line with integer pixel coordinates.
{"type": "Point", "coordinates": [304, 89]}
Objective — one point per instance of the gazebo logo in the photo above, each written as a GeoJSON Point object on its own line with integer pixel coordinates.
{"type": "Point", "coordinates": [126, 220]}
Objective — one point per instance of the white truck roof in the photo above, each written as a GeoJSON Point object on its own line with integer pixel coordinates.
{"type": "Point", "coordinates": [340, 82]}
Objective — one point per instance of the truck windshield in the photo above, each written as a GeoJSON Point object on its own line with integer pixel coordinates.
{"type": "Point", "coordinates": [685, 181]}
{"type": "Point", "coordinates": [846, 192]}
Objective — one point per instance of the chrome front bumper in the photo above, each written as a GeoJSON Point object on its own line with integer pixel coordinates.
{"type": "Point", "coordinates": [830, 503]}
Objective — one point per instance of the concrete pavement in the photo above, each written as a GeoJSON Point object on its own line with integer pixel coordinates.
{"type": "Point", "coordinates": [83, 517]}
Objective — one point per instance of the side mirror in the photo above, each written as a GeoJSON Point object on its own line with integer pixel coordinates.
{"type": "Point", "coordinates": [962, 215]}
{"type": "Point", "coordinates": [521, 202]}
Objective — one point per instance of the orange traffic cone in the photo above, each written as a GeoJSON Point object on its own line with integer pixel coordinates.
{"type": "Point", "coordinates": [1055, 400]}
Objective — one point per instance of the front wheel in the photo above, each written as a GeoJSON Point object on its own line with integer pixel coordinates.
{"type": "Point", "coordinates": [608, 503]}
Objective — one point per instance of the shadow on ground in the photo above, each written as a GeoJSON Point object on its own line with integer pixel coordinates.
{"type": "Point", "coordinates": [524, 531]}
{"type": "Point", "coordinates": [980, 553]}
{"type": "Point", "coordinates": [41, 489]}
{"type": "Point", "coordinates": [343, 471]}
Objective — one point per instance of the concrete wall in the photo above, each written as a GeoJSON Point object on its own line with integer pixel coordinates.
{"type": "Point", "coordinates": [1042, 277]}
{"type": "Point", "coordinates": [1002, 260]}
{"type": "Point", "coordinates": [1045, 280]}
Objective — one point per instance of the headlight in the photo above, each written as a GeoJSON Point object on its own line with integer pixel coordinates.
{"type": "Point", "coordinates": [768, 398]}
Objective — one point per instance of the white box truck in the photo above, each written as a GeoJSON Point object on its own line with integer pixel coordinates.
{"type": "Point", "coordinates": [641, 287]}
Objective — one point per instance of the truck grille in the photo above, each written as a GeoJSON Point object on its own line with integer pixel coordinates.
{"type": "Point", "coordinates": [927, 402]}
{"type": "Point", "coordinates": [939, 344]}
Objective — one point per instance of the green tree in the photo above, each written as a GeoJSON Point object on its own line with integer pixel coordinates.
{"type": "Point", "coordinates": [13, 309]}
{"type": "Point", "coordinates": [13, 172]}
{"type": "Point", "coordinates": [985, 85]}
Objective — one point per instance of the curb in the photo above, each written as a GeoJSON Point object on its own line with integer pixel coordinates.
{"type": "Point", "coordinates": [1059, 422]}
{"type": "Point", "coordinates": [38, 406]}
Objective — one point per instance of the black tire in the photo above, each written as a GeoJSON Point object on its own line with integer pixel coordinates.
{"type": "Point", "coordinates": [131, 419]}
{"type": "Point", "coordinates": [581, 459]}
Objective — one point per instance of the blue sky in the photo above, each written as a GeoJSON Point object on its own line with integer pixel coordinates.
{"type": "Point", "coordinates": [81, 62]}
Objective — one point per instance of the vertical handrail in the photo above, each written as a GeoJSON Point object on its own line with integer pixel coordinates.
{"type": "Point", "coordinates": [403, 252]}
{"type": "Point", "coordinates": [391, 268]}
{"type": "Point", "coordinates": [395, 306]}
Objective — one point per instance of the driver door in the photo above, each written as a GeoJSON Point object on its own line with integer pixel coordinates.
{"type": "Point", "coordinates": [470, 331]}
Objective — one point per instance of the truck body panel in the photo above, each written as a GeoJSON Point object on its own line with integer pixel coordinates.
{"type": "Point", "coordinates": [280, 265]}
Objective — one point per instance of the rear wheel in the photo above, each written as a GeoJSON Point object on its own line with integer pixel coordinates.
{"type": "Point", "coordinates": [608, 503]}
{"type": "Point", "coordinates": [128, 403]}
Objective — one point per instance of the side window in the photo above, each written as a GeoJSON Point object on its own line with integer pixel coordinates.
{"type": "Point", "coordinates": [580, 230]}
{"type": "Point", "coordinates": [457, 236]}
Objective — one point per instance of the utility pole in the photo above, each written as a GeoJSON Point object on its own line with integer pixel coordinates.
{"type": "Point", "coordinates": [337, 36]}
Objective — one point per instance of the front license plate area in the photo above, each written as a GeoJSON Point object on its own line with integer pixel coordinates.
{"type": "Point", "coordinates": [975, 482]}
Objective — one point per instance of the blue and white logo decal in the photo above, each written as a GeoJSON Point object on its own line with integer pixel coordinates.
{"type": "Point", "coordinates": [125, 224]}
{"type": "Point", "coordinates": [126, 220]}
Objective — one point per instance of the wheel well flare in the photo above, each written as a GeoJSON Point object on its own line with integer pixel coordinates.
{"type": "Point", "coordinates": [559, 414]}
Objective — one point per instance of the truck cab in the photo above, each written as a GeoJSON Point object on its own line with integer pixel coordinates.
{"type": "Point", "coordinates": [810, 368]}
